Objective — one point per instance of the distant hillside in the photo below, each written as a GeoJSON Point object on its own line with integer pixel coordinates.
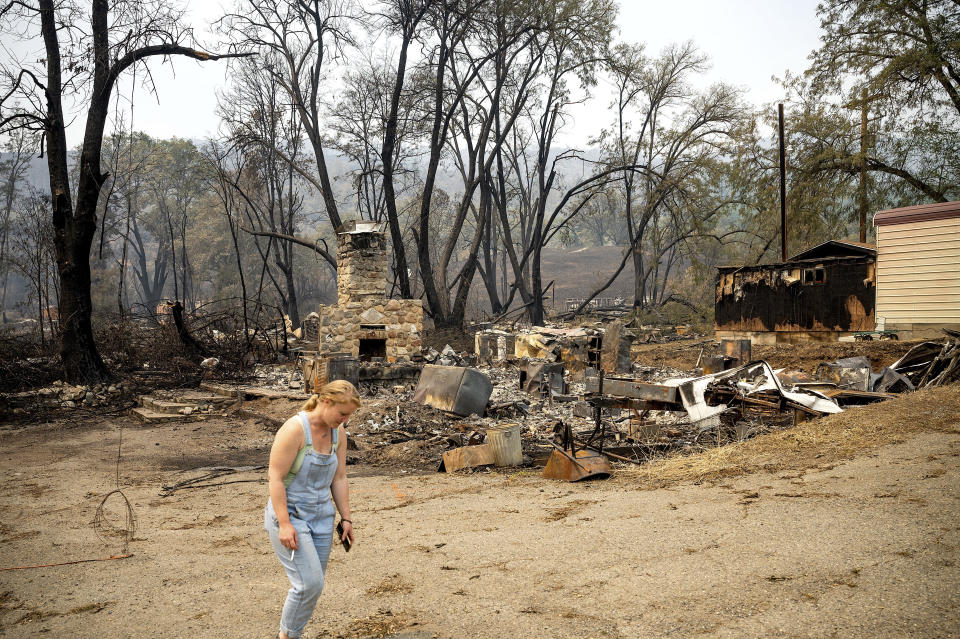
{"type": "Point", "coordinates": [37, 174]}
{"type": "Point", "coordinates": [577, 273]}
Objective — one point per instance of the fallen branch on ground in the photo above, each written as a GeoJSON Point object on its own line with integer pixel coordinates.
{"type": "Point", "coordinates": [68, 563]}
{"type": "Point", "coordinates": [215, 472]}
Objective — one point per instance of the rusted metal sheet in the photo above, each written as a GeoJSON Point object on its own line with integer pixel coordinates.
{"type": "Point", "coordinates": [627, 403]}
{"type": "Point", "coordinates": [343, 367]}
{"type": "Point", "coordinates": [615, 349]}
{"type": "Point", "coordinates": [625, 387]}
{"type": "Point", "coordinates": [392, 373]}
{"type": "Point", "coordinates": [584, 464]}
{"type": "Point", "coordinates": [536, 375]}
{"type": "Point", "coordinates": [466, 457]}
{"type": "Point", "coordinates": [464, 391]}
{"type": "Point", "coordinates": [317, 371]}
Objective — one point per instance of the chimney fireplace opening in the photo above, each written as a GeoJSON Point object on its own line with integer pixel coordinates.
{"type": "Point", "coordinates": [371, 348]}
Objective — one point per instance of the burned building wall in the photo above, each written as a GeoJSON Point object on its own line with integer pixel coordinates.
{"type": "Point", "coordinates": [800, 300]}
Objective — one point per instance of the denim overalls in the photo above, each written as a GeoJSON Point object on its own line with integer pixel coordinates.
{"type": "Point", "coordinates": [312, 513]}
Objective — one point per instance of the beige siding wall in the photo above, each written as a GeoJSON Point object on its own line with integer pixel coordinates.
{"type": "Point", "coordinates": [918, 273]}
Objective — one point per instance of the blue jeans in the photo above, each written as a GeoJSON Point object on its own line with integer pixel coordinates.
{"type": "Point", "coordinates": [305, 572]}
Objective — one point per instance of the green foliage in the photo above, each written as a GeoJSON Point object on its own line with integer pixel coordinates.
{"type": "Point", "coordinates": [151, 215]}
{"type": "Point", "coordinates": [905, 56]}
{"type": "Point", "coordinates": [906, 50]}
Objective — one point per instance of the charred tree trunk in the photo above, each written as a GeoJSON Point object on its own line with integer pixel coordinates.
{"type": "Point", "coordinates": [386, 158]}
{"type": "Point", "coordinates": [639, 281]}
{"type": "Point", "coordinates": [489, 272]}
{"type": "Point", "coordinates": [293, 311]}
{"type": "Point", "coordinates": [74, 230]}
{"type": "Point", "coordinates": [78, 350]}
{"type": "Point", "coordinates": [194, 349]}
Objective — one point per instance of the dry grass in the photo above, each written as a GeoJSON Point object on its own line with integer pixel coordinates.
{"type": "Point", "coordinates": [815, 443]}
{"type": "Point", "coordinates": [563, 512]}
{"type": "Point", "coordinates": [393, 584]}
{"type": "Point", "coordinates": [381, 624]}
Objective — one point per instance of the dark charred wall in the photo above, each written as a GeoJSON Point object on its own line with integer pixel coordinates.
{"type": "Point", "coordinates": [832, 295]}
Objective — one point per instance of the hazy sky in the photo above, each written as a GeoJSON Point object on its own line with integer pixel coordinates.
{"type": "Point", "coordinates": [748, 41]}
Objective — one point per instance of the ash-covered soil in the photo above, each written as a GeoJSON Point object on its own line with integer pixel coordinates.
{"type": "Point", "coordinates": [844, 526]}
{"type": "Point", "coordinates": [790, 535]}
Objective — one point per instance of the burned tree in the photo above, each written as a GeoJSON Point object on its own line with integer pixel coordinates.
{"type": "Point", "coordinates": [670, 140]}
{"type": "Point", "coordinates": [267, 135]}
{"type": "Point", "coordinates": [304, 40]}
{"type": "Point", "coordinates": [32, 255]}
{"type": "Point", "coordinates": [404, 17]}
{"type": "Point", "coordinates": [575, 39]}
{"type": "Point", "coordinates": [83, 63]}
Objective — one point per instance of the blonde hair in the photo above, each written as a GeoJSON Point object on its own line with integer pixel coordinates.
{"type": "Point", "coordinates": [339, 391]}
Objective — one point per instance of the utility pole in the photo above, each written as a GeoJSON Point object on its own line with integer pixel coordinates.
{"type": "Point", "coordinates": [863, 102]}
{"type": "Point", "coordinates": [783, 188]}
{"type": "Point", "coordinates": [863, 165]}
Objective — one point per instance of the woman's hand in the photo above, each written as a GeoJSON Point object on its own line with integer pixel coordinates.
{"type": "Point", "coordinates": [288, 536]}
{"type": "Point", "coordinates": [347, 530]}
{"type": "Point", "coordinates": [340, 488]}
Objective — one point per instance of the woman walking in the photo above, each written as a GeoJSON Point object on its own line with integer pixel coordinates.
{"type": "Point", "coordinates": [307, 467]}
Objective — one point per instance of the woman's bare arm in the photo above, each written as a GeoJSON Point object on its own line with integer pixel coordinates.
{"type": "Point", "coordinates": [286, 445]}
{"type": "Point", "coordinates": [340, 487]}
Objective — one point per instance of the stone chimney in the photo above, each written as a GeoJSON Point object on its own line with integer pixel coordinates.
{"type": "Point", "coordinates": [361, 263]}
{"type": "Point", "coordinates": [364, 323]}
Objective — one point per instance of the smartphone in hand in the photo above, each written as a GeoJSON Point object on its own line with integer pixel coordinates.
{"type": "Point", "coordinates": [344, 540]}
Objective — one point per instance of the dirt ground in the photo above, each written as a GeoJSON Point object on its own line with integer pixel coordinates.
{"type": "Point", "coordinates": [842, 527]}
